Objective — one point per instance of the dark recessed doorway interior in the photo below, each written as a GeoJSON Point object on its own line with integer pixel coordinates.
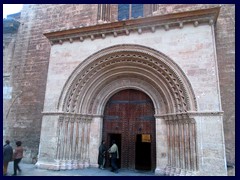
{"type": "Point", "coordinates": [143, 154]}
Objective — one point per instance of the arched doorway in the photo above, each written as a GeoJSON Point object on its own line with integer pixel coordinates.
{"type": "Point", "coordinates": [112, 70]}
{"type": "Point", "coordinates": [129, 120]}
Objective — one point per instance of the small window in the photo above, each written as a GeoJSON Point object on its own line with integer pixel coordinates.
{"type": "Point", "coordinates": [103, 13]}
{"type": "Point", "coordinates": [137, 10]}
{"type": "Point", "coordinates": [128, 11]}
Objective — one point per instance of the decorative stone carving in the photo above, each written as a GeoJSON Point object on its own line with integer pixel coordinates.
{"type": "Point", "coordinates": [181, 143]}
{"type": "Point", "coordinates": [196, 23]}
{"type": "Point", "coordinates": [81, 39]}
{"type": "Point", "coordinates": [127, 32]}
{"type": "Point", "coordinates": [153, 29]}
{"type": "Point", "coordinates": [166, 27]}
{"type": "Point", "coordinates": [139, 31]}
{"type": "Point", "coordinates": [211, 22]}
{"type": "Point", "coordinates": [195, 17]}
{"type": "Point", "coordinates": [181, 25]}
{"type": "Point", "coordinates": [73, 141]}
{"type": "Point", "coordinates": [135, 59]}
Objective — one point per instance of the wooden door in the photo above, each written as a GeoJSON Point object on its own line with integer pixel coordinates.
{"type": "Point", "coordinates": [130, 115]}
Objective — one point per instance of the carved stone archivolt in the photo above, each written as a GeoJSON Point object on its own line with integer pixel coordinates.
{"type": "Point", "coordinates": [125, 66]}
{"type": "Point", "coordinates": [120, 67]}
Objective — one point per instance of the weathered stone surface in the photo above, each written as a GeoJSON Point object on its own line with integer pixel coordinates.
{"type": "Point", "coordinates": [26, 57]}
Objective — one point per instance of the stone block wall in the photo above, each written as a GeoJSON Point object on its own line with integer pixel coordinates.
{"type": "Point", "coordinates": [26, 59]}
{"type": "Point", "coordinates": [26, 62]}
{"type": "Point", "coordinates": [225, 43]}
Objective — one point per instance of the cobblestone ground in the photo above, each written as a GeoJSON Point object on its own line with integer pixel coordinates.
{"type": "Point", "coordinates": [31, 170]}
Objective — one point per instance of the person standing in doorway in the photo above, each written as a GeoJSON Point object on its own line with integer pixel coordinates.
{"type": "Point", "coordinates": [7, 156]}
{"type": "Point", "coordinates": [102, 154]}
{"type": "Point", "coordinates": [17, 157]}
{"type": "Point", "coordinates": [114, 156]}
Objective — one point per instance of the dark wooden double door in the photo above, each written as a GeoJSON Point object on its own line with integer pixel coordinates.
{"type": "Point", "coordinates": [129, 120]}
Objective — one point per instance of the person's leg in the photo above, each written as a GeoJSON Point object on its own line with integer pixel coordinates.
{"type": "Point", "coordinates": [5, 167]}
{"type": "Point", "coordinates": [115, 164]}
{"type": "Point", "coordinates": [100, 161]}
{"type": "Point", "coordinates": [15, 167]}
{"type": "Point", "coordinates": [112, 164]}
{"type": "Point", "coordinates": [104, 160]}
{"type": "Point", "coordinates": [18, 168]}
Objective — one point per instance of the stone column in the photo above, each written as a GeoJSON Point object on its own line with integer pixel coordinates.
{"type": "Point", "coordinates": [186, 145]}
{"type": "Point", "coordinates": [161, 145]}
{"type": "Point", "coordinates": [181, 147]}
{"type": "Point", "coordinates": [76, 141]}
{"type": "Point", "coordinates": [181, 140]}
{"type": "Point", "coordinates": [103, 14]}
{"type": "Point", "coordinates": [95, 139]}
{"type": "Point", "coordinates": [177, 147]}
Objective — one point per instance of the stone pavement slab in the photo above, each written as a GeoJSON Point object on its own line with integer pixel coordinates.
{"type": "Point", "coordinates": [32, 170]}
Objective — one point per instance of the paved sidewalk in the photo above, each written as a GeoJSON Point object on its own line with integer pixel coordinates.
{"type": "Point", "coordinates": [31, 170]}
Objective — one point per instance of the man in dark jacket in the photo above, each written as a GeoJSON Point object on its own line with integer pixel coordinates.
{"type": "Point", "coordinates": [101, 155]}
{"type": "Point", "coordinates": [7, 156]}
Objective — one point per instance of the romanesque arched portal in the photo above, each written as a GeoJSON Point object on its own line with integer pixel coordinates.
{"type": "Point", "coordinates": [122, 67]}
{"type": "Point", "coordinates": [173, 62]}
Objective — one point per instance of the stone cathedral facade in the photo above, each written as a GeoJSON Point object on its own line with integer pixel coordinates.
{"type": "Point", "coordinates": [148, 76]}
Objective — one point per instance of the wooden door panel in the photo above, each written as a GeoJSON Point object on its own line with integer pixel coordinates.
{"type": "Point", "coordinates": [129, 113]}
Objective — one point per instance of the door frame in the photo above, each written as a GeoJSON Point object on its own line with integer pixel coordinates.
{"type": "Point", "coordinates": [107, 134]}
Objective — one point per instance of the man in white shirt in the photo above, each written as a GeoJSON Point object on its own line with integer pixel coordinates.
{"type": "Point", "coordinates": [114, 156]}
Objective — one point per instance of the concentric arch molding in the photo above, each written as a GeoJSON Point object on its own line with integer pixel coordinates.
{"type": "Point", "coordinates": [124, 66]}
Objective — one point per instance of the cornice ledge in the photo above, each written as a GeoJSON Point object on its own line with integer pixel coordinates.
{"type": "Point", "coordinates": [47, 113]}
{"type": "Point", "coordinates": [189, 114]}
{"type": "Point", "coordinates": [147, 24]}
